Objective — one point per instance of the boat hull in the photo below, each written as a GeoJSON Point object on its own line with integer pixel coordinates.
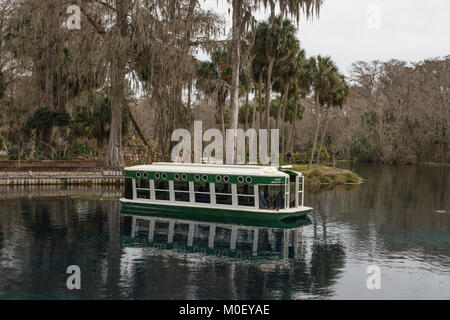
{"type": "Point", "coordinates": [220, 215]}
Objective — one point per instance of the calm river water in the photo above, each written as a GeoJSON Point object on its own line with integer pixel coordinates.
{"type": "Point", "coordinates": [398, 220]}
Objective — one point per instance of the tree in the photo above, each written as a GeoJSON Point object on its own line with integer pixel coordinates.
{"type": "Point", "coordinates": [93, 121]}
{"type": "Point", "coordinates": [165, 65]}
{"type": "Point", "coordinates": [2, 86]}
{"type": "Point", "coordinates": [149, 41]}
{"type": "Point", "coordinates": [214, 78]}
{"type": "Point", "coordinates": [43, 70]}
{"type": "Point", "coordinates": [289, 65]}
{"type": "Point", "coordinates": [301, 86]}
{"type": "Point", "coordinates": [336, 97]}
{"type": "Point", "coordinates": [323, 72]}
{"type": "Point", "coordinates": [242, 16]}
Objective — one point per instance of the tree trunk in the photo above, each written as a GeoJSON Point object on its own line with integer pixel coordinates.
{"type": "Point", "coordinates": [222, 119]}
{"type": "Point", "coordinates": [254, 111]}
{"type": "Point", "coordinates": [246, 110]}
{"type": "Point", "coordinates": [283, 119]}
{"type": "Point", "coordinates": [260, 103]}
{"type": "Point", "coordinates": [290, 145]}
{"type": "Point", "coordinates": [236, 57]}
{"type": "Point", "coordinates": [322, 138]}
{"type": "Point", "coordinates": [114, 154]}
{"type": "Point", "coordinates": [280, 105]}
{"type": "Point", "coordinates": [292, 127]}
{"type": "Point", "coordinates": [138, 129]}
{"type": "Point", "coordinates": [317, 131]}
{"type": "Point", "coordinates": [49, 71]}
{"type": "Point", "coordinates": [268, 87]}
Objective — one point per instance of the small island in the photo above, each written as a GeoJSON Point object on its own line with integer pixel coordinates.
{"type": "Point", "coordinates": [322, 176]}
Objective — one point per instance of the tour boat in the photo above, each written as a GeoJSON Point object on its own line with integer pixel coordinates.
{"type": "Point", "coordinates": [213, 192]}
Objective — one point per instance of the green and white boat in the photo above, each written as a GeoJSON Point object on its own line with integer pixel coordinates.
{"type": "Point", "coordinates": [212, 192]}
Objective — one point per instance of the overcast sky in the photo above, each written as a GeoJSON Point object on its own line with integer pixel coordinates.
{"type": "Point", "coordinates": [352, 30]}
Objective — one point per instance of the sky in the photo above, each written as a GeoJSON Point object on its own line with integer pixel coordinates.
{"type": "Point", "coordinates": [353, 30]}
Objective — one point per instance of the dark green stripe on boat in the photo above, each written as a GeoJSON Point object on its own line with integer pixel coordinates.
{"type": "Point", "coordinates": [212, 178]}
{"type": "Point", "coordinates": [218, 215]}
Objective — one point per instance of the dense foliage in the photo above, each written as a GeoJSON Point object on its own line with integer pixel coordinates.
{"type": "Point", "coordinates": [117, 88]}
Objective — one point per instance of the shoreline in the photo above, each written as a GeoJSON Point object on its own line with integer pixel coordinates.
{"type": "Point", "coordinates": [48, 172]}
{"type": "Point", "coordinates": [76, 172]}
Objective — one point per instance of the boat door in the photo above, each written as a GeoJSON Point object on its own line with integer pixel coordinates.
{"type": "Point", "coordinates": [293, 191]}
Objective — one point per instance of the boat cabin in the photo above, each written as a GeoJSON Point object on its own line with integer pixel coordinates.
{"type": "Point", "coordinates": [216, 186]}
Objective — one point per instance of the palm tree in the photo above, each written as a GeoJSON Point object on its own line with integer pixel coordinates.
{"type": "Point", "coordinates": [245, 79]}
{"type": "Point", "coordinates": [275, 43]}
{"type": "Point", "coordinates": [323, 70]}
{"type": "Point", "coordinates": [246, 85]}
{"type": "Point", "coordinates": [300, 87]}
{"type": "Point", "coordinates": [295, 111]}
{"type": "Point", "coordinates": [213, 77]}
{"type": "Point", "coordinates": [337, 96]}
{"type": "Point", "coordinates": [242, 17]}
{"type": "Point", "coordinates": [258, 71]}
{"type": "Point", "coordinates": [287, 68]}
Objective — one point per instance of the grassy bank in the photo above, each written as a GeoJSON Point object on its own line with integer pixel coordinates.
{"type": "Point", "coordinates": [318, 176]}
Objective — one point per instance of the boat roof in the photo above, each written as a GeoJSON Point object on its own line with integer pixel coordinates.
{"type": "Point", "coordinates": [252, 170]}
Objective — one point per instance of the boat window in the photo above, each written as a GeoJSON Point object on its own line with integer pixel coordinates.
{"type": "Point", "coordinates": [142, 189]}
{"type": "Point", "coordinates": [223, 194]}
{"type": "Point", "coordinates": [161, 185]}
{"type": "Point", "coordinates": [181, 186]}
{"type": "Point", "coordinates": [162, 190]}
{"type": "Point", "coordinates": [246, 195]}
{"type": "Point", "coordinates": [129, 188]}
{"type": "Point", "coordinates": [202, 192]}
{"type": "Point", "coordinates": [272, 197]}
{"type": "Point", "coordinates": [181, 191]}
{"type": "Point", "coordinates": [292, 191]}
{"type": "Point", "coordinates": [143, 194]}
{"type": "Point", "coordinates": [224, 188]}
{"type": "Point", "coordinates": [142, 183]}
{"type": "Point", "coordinates": [246, 189]}
{"type": "Point", "coordinates": [262, 197]}
{"type": "Point", "coordinates": [300, 191]}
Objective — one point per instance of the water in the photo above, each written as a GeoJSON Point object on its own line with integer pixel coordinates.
{"type": "Point", "coordinates": [395, 220]}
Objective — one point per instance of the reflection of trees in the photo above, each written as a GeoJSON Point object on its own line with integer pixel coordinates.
{"type": "Point", "coordinates": [327, 262]}
{"type": "Point", "coordinates": [400, 199]}
{"type": "Point", "coordinates": [46, 237]}
{"type": "Point", "coordinates": [394, 210]}
{"type": "Point", "coordinates": [114, 251]}
{"type": "Point", "coordinates": [298, 277]}
{"type": "Point", "coordinates": [55, 234]}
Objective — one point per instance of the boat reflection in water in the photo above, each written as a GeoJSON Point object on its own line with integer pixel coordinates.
{"type": "Point", "coordinates": [217, 239]}
{"type": "Point", "coordinates": [288, 262]}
